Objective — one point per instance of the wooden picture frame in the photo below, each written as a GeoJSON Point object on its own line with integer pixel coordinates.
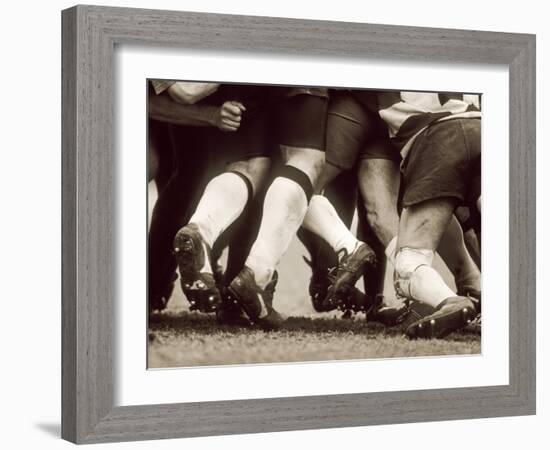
{"type": "Point", "coordinates": [90, 34]}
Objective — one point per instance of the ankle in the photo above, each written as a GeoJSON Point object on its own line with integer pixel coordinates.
{"type": "Point", "coordinates": [204, 230]}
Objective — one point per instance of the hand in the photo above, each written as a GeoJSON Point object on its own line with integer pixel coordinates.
{"type": "Point", "coordinates": [229, 116]}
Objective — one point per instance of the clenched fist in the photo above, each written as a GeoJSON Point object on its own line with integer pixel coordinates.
{"type": "Point", "coordinates": [229, 116]}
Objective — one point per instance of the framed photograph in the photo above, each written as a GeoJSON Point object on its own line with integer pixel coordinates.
{"type": "Point", "coordinates": [275, 224]}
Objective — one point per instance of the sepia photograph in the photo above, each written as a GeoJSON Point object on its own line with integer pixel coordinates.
{"type": "Point", "coordinates": [293, 224]}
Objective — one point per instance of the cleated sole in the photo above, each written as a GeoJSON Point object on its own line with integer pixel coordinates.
{"type": "Point", "coordinates": [440, 324]}
{"type": "Point", "coordinates": [199, 288]}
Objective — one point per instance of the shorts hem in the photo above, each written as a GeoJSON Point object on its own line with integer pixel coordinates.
{"type": "Point", "coordinates": [246, 157]}
{"type": "Point", "coordinates": [304, 146]}
{"type": "Point", "coordinates": [338, 165]}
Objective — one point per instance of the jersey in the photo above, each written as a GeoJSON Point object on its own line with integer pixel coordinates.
{"type": "Point", "coordinates": [408, 114]}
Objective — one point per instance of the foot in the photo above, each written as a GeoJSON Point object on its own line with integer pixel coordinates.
{"type": "Point", "coordinates": [350, 268]}
{"type": "Point", "coordinates": [257, 303]}
{"type": "Point", "coordinates": [158, 302]}
{"type": "Point", "coordinates": [451, 315]}
{"type": "Point", "coordinates": [475, 325]}
{"type": "Point", "coordinates": [198, 286]}
{"type": "Point", "coordinates": [472, 293]}
{"type": "Point", "coordinates": [390, 315]}
{"type": "Point", "coordinates": [230, 313]}
{"type": "Point", "coordinates": [318, 286]}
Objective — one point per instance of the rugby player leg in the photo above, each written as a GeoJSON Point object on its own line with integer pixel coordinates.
{"type": "Point", "coordinates": [420, 229]}
{"type": "Point", "coordinates": [161, 157]}
{"type": "Point", "coordinates": [347, 127]}
{"type": "Point", "coordinates": [468, 224]}
{"type": "Point", "coordinates": [454, 253]}
{"type": "Point", "coordinates": [223, 200]}
{"type": "Point", "coordinates": [379, 187]}
{"type": "Point", "coordinates": [172, 210]}
{"type": "Point", "coordinates": [379, 180]}
{"type": "Point", "coordinates": [341, 191]}
{"type": "Point", "coordinates": [379, 184]}
{"type": "Point", "coordinates": [437, 176]}
{"type": "Point", "coordinates": [302, 121]}
{"type": "Point", "coordinates": [222, 203]}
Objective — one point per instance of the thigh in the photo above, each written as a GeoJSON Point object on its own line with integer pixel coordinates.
{"type": "Point", "coordinates": [302, 121]}
{"type": "Point", "coordinates": [251, 140]}
{"type": "Point", "coordinates": [347, 124]}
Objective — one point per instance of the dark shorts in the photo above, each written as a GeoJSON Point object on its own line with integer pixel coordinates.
{"type": "Point", "coordinates": [444, 161]}
{"type": "Point", "coordinates": [354, 133]}
{"type": "Point", "coordinates": [254, 138]}
{"type": "Point", "coordinates": [301, 118]}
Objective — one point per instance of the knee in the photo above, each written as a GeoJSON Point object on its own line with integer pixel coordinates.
{"type": "Point", "coordinates": [407, 261]}
{"type": "Point", "coordinates": [254, 170]}
{"type": "Point", "coordinates": [310, 161]}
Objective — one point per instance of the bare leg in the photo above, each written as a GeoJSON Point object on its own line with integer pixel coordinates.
{"type": "Point", "coordinates": [457, 258]}
{"type": "Point", "coordinates": [422, 225]}
{"type": "Point", "coordinates": [223, 201]}
{"type": "Point", "coordinates": [255, 169]}
{"type": "Point", "coordinates": [420, 230]}
{"type": "Point", "coordinates": [379, 186]}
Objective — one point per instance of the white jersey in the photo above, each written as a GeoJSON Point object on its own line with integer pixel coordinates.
{"type": "Point", "coordinates": [407, 114]}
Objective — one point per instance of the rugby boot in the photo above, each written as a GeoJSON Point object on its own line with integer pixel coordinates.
{"type": "Point", "coordinates": [199, 287]}
{"type": "Point", "coordinates": [230, 312]}
{"type": "Point", "coordinates": [257, 303]}
{"type": "Point", "coordinates": [158, 302]}
{"type": "Point", "coordinates": [391, 315]}
{"type": "Point", "coordinates": [350, 268]}
{"type": "Point", "coordinates": [450, 315]}
{"type": "Point", "coordinates": [318, 286]}
{"type": "Point", "coordinates": [472, 293]}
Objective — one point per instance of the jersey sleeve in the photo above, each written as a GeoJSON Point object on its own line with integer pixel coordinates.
{"type": "Point", "coordinates": [159, 86]}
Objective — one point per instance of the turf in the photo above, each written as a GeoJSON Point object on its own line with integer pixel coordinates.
{"type": "Point", "coordinates": [178, 338]}
{"type": "Point", "coordinates": [183, 339]}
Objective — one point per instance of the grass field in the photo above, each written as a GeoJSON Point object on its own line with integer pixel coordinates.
{"type": "Point", "coordinates": [179, 338]}
{"type": "Point", "coordinates": [190, 339]}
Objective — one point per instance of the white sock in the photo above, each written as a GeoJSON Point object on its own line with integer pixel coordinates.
{"type": "Point", "coordinates": [427, 286]}
{"type": "Point", "coordinates": [418, 280]}
{"type": "Point", "coordinates": [390, 250]}
{"type": "Point", "coordinates": [322, 219]}
{"type": "Point", "coordinates": [222, 202]}
{"type": "Point", "coordinates": [284, 208]}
